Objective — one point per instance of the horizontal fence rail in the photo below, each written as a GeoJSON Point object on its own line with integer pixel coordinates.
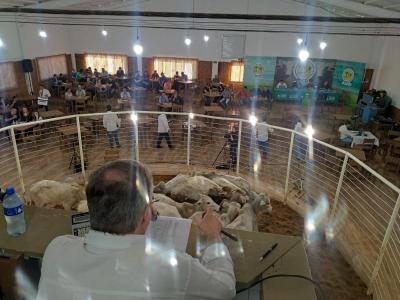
{"type": "Point", "coordinates": [363, 206]}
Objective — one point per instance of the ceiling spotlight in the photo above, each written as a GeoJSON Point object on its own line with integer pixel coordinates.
{"type": "Point", "coordinates": [188, 41]}
{"type": "Point", "coordinates": [206, 38]}
{"type": "Point", "coordinates": [299, 41]}
{"type": "Point", "coordinates": [137, 48]}
{"type": "Point", "coordinates": [304, 55]}
{"type": "Point", "coordinates": [104, 32]}
{"type": "Point", "coordinates": [1, 43]}
{"type": "Point", "coordinates": [323, 45]}
{"type": "Point", "coordinates": [43, 33]}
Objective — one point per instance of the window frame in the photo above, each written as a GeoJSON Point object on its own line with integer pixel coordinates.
{"type": "Point", "coordinates": [195, 68]}
{"type": "Point", "coordinates": [123, 56]}
{"type": "Point", "coordinates": [14, 73]}
{"type": "Point", "coordinates": [47, 57]}
{"type": "Point", "coordinates": [241, 71]}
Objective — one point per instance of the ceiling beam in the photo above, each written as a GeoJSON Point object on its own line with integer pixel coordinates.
{"type": "Point", "coordinates": [371, 1]}
{"type": "Point", "coordinates": [391, 5]}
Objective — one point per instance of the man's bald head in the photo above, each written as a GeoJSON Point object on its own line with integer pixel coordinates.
{"type": "Point", "coordinates": [117, 195]}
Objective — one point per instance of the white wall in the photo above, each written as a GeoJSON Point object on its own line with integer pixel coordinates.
{"type": "Point", "coordinates": [388, 72]}
{"type": "Point", "coordinates": [33, 46]}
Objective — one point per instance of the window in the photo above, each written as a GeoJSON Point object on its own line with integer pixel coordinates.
{"type": "Point", "coordinates": [8, 79]}
{"type": "Point", "coordinates": [170, 65]}
{"type": "Point", "coordinates": [50, 65]}
{"type": "Point", "coordinates": [109, 62]}
{"type": "Point", "coordinates": [237, 72]}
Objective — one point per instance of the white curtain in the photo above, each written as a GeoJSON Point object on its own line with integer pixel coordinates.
{"type": "Point", "coordinates": [8, 79]}
{"type": "Point", "coordinates": [237, 72]}
{"type": "Point", "coordinates": [109, 62]}
{"type": "Point", "coordinates": [50, 65]}
{"type": "Point", "coordinates": [169, 65]}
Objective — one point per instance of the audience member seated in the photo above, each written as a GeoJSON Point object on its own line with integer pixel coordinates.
{"type": "Point", "coordinates": [383, 103]}
{"type": "Point", "coordinates": [125, 95]}
{"type": "Point", "coordinates": [146, 80]}
{"type": "Point", "coordinates": [89, 71]}
{"type": "Point", "coordinates": [244, 97]}
{"type": "Point", "coordinates": [74, 74]}
{"type": "Point", "coordinates": [80, 92]}
{"type": "Point", "coordinates": [96, 73]}
{"type": "Point", "coordinates": [11, 116]}
{"type": "Point", "coordinates": [162, 79]}
{"type": "Point", "coordinates": [155, 75]}
{"type": "Point", "coordinates": [268, 97]}
{"type": "Point", "coordinates": [281, 85]}
{"type": "Point", "coordinates": [104, 73]}
{"type": "Point", "coordinates": [175, 79]}
{"type": "Point", "coordinates": [215, 81]}
{"type": "Point", "coordinates": [163, 98]}
{"type": "Point", "coordinates": [177, 99]}
{"type": "Point", "coordinates": [226, 97]}
{"type": "Point", "coordinates": [120, 73]}
{"type": "Point", "coordinates": [184, 77]}
{"type": "Point", "coordinates": [68, 94]}
{"type": "Point", "coordinates": [345, 134]}
{"type": "Point", "coordinates": [137, 79]}
{"type": "Point", "coordinates": [61, 78]}
{"type": "Point", "coordinates": [113, 89]}
{"type": "Point", "coordinates": [167, 85]}
{"type": "Point", "coordinates": [206, 92]}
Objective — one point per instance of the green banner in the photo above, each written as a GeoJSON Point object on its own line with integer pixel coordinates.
{"type": "Point", "coordinates": [348, 76]}
{"type": "Point", "coordinates": [259, 71]}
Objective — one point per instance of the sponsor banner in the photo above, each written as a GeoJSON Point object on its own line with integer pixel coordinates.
{"type": "Point", "coordinates": [259, 71]}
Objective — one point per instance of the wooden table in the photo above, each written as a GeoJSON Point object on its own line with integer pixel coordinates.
{"type": "Point", "coordinates": [123, 103]}
{"type": "Point", "coordinates": [75, 99]}
{"type": "Point", "coordinates": [44, 224]}
{"type": "Point", "coordinates": [51, 114]}
{"type": "Point", "coordinates": [360, 154]}
{"type": "Point", "coordinates": [214, 109]}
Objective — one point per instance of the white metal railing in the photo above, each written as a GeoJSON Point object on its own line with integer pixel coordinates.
{"type": "Point", "coordinates": [363, 205]}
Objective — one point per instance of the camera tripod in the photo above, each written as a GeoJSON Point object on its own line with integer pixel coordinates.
{"type": "Point", "coordinates": [224, 151]}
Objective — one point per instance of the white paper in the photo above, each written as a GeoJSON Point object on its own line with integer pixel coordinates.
{"type": "Point", "coordinates": [169, 232]}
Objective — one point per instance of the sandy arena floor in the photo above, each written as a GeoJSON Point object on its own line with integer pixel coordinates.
{"type": "Point", "coordinates": [335, 276]}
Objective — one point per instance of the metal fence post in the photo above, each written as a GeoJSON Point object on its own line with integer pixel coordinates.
{"type": "Point", "coordinates": [189, 136]}
{"type": "Point", "coordinates": [135, 126]}
{"type": "Point", "coordinates": [382, 250]}
{"type": "Point", "coordinates": [288, 166]}
{"type": "Point", "coordinates": [238, 148]}
{"type": "Point", "coordinates": [339, 187]}
{"type": "Point", "coordinates": [17, 161]}
{"type": "Point", "coordinates": [78, 126]}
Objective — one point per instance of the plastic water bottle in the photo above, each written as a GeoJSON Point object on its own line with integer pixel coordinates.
{"type": "Point", "coordinates": [14, 212]}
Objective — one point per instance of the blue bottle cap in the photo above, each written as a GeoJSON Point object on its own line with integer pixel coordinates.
{"type": "Point", "coordinates": [10, 190]}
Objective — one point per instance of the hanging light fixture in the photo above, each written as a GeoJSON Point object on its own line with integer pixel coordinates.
{"type": "Point", "coordinates": [206, 38]}
{"type": "Point", "coordinates": [104, 32]}
{"type": "Point", "coordinates": [42, 33]}
{"type": "Point", "coordinates": [137, 47]}
{"type": "Point", "coordinates": [304, 54]}
{"type": "Point", "coordinates": [1, 43]}
{"type": "Point", "coordinates": [188, 40]}
{"type": "Point", "coordinates": [323, 45]}
{"type": "Point", "coordinates": [299, 41]}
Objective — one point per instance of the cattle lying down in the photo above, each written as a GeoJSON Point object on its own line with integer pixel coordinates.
{"type": "Point", "coordinates": [231, 213]}
{"type": "Point", "coordinates": [54, 194]}
{"type": "Point", "coordinates": [246, 220]}
{"type": "Point", "coordinates": [166, 210]}
{"type": "Point", "coordinates": [186, 210]}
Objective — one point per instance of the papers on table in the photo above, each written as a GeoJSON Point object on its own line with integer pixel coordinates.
{"type": "Point", "coordinates": [169, 232]}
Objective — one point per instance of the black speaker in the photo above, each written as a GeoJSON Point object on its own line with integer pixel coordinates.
{"type": "Point", "coordinates": [27, 65]}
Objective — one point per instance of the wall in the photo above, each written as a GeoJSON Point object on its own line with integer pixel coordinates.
{"type": "Point", "coordinates": [388, 71]}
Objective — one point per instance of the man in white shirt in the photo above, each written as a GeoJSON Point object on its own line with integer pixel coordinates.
{"type": "Point", "coordinates": [163, 131]}
{"type": "Point", "coordinates": [281, 85]}
{"type": "Point", "coordinates": [345, 134]}
{"type": "Point", "coordinates": [125, 95]}
{"type": "Point", "coordinates": [116, 261]}
{"type": "Point", "coordinates": [263, 131]}
{"type": "Point", "coordinates": [43, 99]}
{"type": "Point", "coordinates": [80, 92]}
{"type": "Point", "coordinates": [111, 123]}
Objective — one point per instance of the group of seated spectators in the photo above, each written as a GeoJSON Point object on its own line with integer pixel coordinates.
{"type": "Point", "coordinates": [175, 98]}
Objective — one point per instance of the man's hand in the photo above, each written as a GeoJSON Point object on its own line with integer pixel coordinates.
{"type": "Point", "coordinates": [210, 226]}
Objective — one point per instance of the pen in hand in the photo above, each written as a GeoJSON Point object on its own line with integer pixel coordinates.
{"type": "Point", "coordinates": [269, 251]}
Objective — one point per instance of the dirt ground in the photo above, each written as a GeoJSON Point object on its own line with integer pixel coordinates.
{"type": "Point", "coordinates": [337, 279]}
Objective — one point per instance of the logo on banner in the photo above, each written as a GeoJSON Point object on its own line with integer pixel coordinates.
{"type": "Point", "coordinates": [347, 77]}
{"type": "Point", "coordinates": [258, 70]}
{"type": "Point", "coordinates": [304, 71]}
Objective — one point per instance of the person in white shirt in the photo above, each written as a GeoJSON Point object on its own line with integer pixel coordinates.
{"type": "Point", "coordinates": [281, 85]}
{"type": "Point", "coordinates": [112, 123]}
{"type": "Point", "coordinates": [263, 131]}
{"type": "Point", "coordinates": [125, 95]}
{"type": "Point", "coordinates": [345, 134]}
{"type": "Point", "coordinates": [298, 153]}
{"type": "Point", "coordinates": [43, 99]}
{"type": "Point", "coordinates": [80, 92]}
{"type": "Point", "coordinates": [104, 73]}
{"type": "Point", "coordinates": [115, 260]}
{"type": "Point", "coordinates": [163, 131]}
